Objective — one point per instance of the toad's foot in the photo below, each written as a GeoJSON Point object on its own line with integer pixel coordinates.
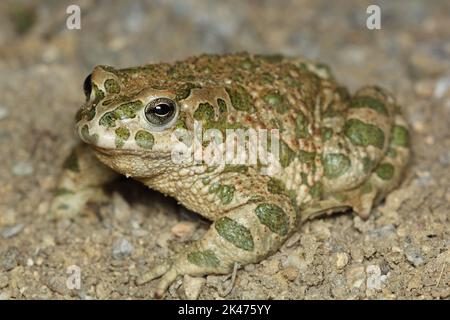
{"type": "Point", "coordinates": [180, 265]}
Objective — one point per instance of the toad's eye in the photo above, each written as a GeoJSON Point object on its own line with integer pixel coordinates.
{"type": "Point", "coordinates": [87, 86]}
{"type": "Point", "coordinates": [160, 112]}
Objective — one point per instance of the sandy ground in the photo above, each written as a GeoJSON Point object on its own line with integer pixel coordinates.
{"type": "Point", "coordinates": [401, 252]}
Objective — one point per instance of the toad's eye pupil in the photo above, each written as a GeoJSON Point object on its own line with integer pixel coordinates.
{"type": "Point", "coordinates": [163, 109]}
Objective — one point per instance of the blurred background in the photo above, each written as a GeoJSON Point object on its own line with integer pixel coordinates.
{"type": "Point", "coordinates": [402, 251]}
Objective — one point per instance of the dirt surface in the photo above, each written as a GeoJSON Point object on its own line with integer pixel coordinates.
{"type": "Point", "coordinates": [400, 252]}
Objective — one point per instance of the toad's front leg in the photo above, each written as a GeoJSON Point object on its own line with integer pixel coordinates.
{"type": "Point", "coordinates": [81, 181]}
{"type": "Point", "coordinates": [244, 235]}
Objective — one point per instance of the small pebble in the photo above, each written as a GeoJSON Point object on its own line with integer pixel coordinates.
{"type": "Point", "coordinates": [424, 88]}
{"type": "Point", "coordinates": [10, 258]}
{"type": "Point", "coordinates": [30, 262]}
{"type": "Point", "coordinates": [183, 229]}
{"type": "Point", "coordinates": [193, 286]}
{"type": "Point", "coordinates": [444, 158]}
{"type": "Point", "coordinates": [5, 295]}
{"type": "Point", "coordinates": [373, 282]}
{"type": "Point", "coordinates": [102, 291]}
{"type": "Point", "coordinates": [122, 248]}
{"type": "Point", "coordinates": [58, 284]}
{"type": "Point", "coordinates": [429, 140]}
{"type": "Point", "coordinates": [414, 256]}
{"type": "Point", "coordinates": [22, 169]}
{"type": "Point", "coordinates": [341, 260]}
{"type": "Point", "coordinates": [4, 113]}
{"type": "Point", "coordinates": [122, 211]}
{"type": "Point", "coordinates": [424, 178]}
{"type": "Point", "coordinates": [11, 231]}
{"type": "Point", "coordinates": [3, 280]}
{"type": "Point", "coordinates": [356, 276]}
{"type": "Point", "coordinates": [7, 216]}
{"type": "Point", "coordinates": [383, 232]}
{"type": "Point", "coordinates": [290, 273]}
{"type": "Point", "coordinates": [442, 86]}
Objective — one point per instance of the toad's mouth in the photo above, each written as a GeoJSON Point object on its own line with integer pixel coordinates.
{"type": "Point", "coordinates": [125, 152]}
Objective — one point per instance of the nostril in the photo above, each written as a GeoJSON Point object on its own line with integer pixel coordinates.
{"type": "Point", "coordinates": [87, 86]}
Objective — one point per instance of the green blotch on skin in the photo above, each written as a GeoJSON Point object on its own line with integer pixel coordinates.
{"type": "Point", "coordinates": [276, 186]}
{"type": "Point", "coordinates": [306, 157]}
{"type": "Point", "coordinates": [235, 233]}
{"type": "Point", "coordinates": [304, 177]}
{"type": "Point", "coordinates": [204, 112]}
{"type": "Point", "coordinates": [240, 168]}
{"type": "Point", "coordinates": [366, 188]}
{"type": "Point", "coordinates": [206, 181]}
{"type": "Point", "coordinates": [369, 102]}
{"type": "Point", "coordinates": [71, 162]}
{"type": "Point", "coordinates": [122, 135]}
{"type": "Point", "coordinates": [90, 114]}
{"type": "Point", "coordinates": [276, 100]}
{"type": "Point", "coordinates": [112, 86]}
{"type": "Point", "coordinates": [240, 99]}
{"type": "Point", "coordinates": [326, 133]}
{"type": "Point", "coordinates": [335, 165]}
{"type": "Point", "coordinates": [273, 217]}
{"type": "Point", "coordinates": [301, 127]}
{"type": "Point", "coordinates": [222, 105]}
{"type": "Point", "coordinates": [364, 134]}
{"type": "Point", "coordinates": [62, 191]}
{"type": "Point", "coordinates": [226, 194]}
{"type": "Point", "coordinates": [88, 137]}
{"type": "Point", "coordinates": [183, 91]}
{"type": "Point", "coordinates": [205, 258]}
{"type": "Point", "coordinates": [214, 188]}
{"type": "Point", "coordinates": [255, 198]}
{"type": "Point", "coordinates": [303, 66]}
{"type": "Point", "coordinates": [391, 153]}
{"type": "Point", "coordinates": [278, 124]}
{"type": "Point", "coordinates": [124, 111]}
{"type": "Point", "coordinates": [326, 68]}
{"type": "Point", "coordinates": [286, 154]}
{"type": "Point", "coordinates": [181, 121]}
{"type": "Point", "coordinates": [367, 164]}
{"type": "Point", "coordinates": [400, 136]}
{"type": "Point", "coordinates": [144, 139]}
{"type": "Point", "coordinates": [316, 190]}
{"type": "Point", "coordinates": [385, 171]}
{"type": "Point", "coordinates": [99, 94]}
{"type": "Point", "coordinates": [331, 112]}
{"type": "Point", "coordinates": [340, 197]}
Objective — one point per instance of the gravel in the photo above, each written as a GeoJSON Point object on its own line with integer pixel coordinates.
{"type": "Point", "coordinates": [11, 231]}
{"type": "Point", "coordinates": [4, 112]}
{"type": "Point", "coordinates": [122, 248]}
{"type": "Point", "coordinates": [22, 169]}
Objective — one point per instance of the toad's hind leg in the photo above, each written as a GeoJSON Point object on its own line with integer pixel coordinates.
{"type": "Point", "coordinates": [81, 181]}
{"type": "Point", "coordinates": [386, 176]}
{"type": "Point", "coordinates": [358, 160]}
{"type": "Point", "coordinates": [244, 235]}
